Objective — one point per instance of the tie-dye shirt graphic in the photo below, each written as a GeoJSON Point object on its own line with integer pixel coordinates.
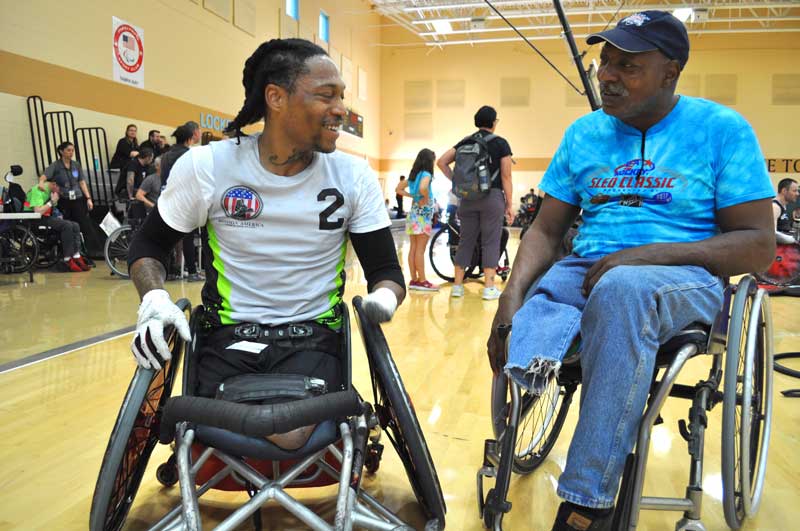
{"type": "Point", "coordinates": [660, 186]}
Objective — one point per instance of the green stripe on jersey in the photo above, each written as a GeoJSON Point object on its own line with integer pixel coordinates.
{"type": "Point", "coordinates": [331, 318]}
{"type": "Point", "coordinates": [223, 284]}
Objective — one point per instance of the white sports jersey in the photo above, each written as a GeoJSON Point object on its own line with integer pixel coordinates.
{"type": "Point", "coordinates": [276, 245]}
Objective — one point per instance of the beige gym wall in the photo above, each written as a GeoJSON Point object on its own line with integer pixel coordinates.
{"type": "Point", "coordinates": [535, 130]}
{"type": "Point", "coordinates": [193, 62]}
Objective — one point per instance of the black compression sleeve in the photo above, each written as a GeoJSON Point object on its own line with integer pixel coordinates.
{"type": "Point", "coordinates": [155, 239]}
{"type": "Point", "coordinates": [378, 257]}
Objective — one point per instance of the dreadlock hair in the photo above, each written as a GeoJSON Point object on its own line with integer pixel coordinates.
{"type": "Point", "coordinates": [424, 162]}
{"type": "Point", "coordinates": [277, 62]}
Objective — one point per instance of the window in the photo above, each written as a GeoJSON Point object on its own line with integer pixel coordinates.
{"type": "Point", "coordinates": [293, 9]}
{"type": "Point", "coordinates": [324, 27]}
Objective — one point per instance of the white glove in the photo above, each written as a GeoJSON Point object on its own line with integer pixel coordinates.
{"type": "Point", "coordinates": [155, 312]}
{"type": "Point", "coordinates": [379, 306]}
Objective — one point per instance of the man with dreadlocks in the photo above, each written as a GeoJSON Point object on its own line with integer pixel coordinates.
{"type": "Point", "coordinates": [278, 208]}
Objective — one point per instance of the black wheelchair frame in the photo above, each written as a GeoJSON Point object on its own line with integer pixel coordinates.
{"type": "Point", "coordinates": [740, 343]}
{"type": "Point", "coordinates": [442, 254]}
{"type": "Point", "coordinates": [19, 248]}
{"type": "Point", "coordinates": [148, 412]}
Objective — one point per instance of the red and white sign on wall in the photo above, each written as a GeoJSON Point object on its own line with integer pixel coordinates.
{"type": "Point", "coordinates": [127, 53]}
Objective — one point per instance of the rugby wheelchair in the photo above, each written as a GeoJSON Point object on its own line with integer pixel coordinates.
{"type": "Point", "coordinates": [221, 444]}
{"type": "Point", "coordinates": [740, 348]}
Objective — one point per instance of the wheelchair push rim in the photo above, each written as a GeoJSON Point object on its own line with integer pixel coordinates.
{"type": "Point", "coordinates": [398, 419]}
{"type": "Point", "coordinates": [442, 257]}
{"type": "Point", "coordinates": [747, 381]}
{"type": "Point", "coordinates": [24, 249]}
{"type": "Point", "coordinates": [116, 250]}
{"type": "Point", "coordinates": [133, 438]}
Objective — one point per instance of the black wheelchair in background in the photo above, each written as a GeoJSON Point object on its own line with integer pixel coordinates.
{"type": "Point", "coordinates": [222, 444]}
{"type": "Point", "coordinates": [443, 247]}
{"type": "Point", "coordinates": [740, 345]}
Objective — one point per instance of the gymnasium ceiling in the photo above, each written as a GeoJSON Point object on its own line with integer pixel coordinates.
{"type": "Point", "coordinates": [473, 22]}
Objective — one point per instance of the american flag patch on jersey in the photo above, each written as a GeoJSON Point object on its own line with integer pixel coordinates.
{"type": "Point", "coordinates": [241, 202]}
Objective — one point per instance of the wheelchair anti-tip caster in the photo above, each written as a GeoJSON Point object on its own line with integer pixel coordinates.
{"type": "Point", "coordinates": [372, 461]}
{"type": "Point", "coordinates": [686, 524]}
{"type": "Point", "coordinates": [167, 473]}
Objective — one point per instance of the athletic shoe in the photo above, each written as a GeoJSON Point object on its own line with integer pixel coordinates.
{"type": "Point", "coordinates": [490, 294]}
{"type": "Point", "coordinates": [572, 517]}
{"type": "Point", "coordinates": [503, 270]}
{"type": "Point", "coordinates": [457, 291]}
{"type": "Point", "coordinates": [73, 266]}
{"type": "Point", "coordinates": [413, 285]}
{"type": "Point", "coordinates": [427, 286]}
{"type": "Point", "coordinates": [82, 263]}
{"type": "Point", "coordinates": [195, 277]}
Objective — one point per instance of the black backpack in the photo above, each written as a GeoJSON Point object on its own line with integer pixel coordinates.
{"type": "Point", "coordinates": [471, 178]}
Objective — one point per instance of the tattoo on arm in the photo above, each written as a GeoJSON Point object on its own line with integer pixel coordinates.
{"type": "Point", "coordinates": [130, 184]}
{"type": "Point", "coordinates": [147, 274]}
{"type": "Point", "coordinates": [296, 156]}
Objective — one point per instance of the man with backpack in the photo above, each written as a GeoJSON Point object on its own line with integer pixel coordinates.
{"type": "Point", "coordinates": [482, 181]}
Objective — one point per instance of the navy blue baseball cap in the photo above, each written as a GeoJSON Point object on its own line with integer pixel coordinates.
{"type": "Point", "coordinates": [647, 31]}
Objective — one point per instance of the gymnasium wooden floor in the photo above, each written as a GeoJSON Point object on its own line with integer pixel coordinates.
{"type": "Point", "coordinates": [56, 415]}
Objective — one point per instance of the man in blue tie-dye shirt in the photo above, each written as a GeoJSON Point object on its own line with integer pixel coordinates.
{"type": "Point", "coordinates": [675, 196]}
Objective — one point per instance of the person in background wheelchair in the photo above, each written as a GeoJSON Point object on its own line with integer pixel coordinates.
{"type": "Point", "coordinates": [675, 196]}
{"type": "Point", "coordinates": [42, 200]}
{"type": "Point", "coordinates": [787, 194]}
{"type": "Point", "coordinates": [279, 207]}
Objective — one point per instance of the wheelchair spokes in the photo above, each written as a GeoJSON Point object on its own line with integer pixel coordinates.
{"type": "Point", "coordinates": [534, 439]}
{"type": "Point", "coordinates": [116, 250]}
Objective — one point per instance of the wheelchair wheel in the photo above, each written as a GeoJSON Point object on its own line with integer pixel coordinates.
{"type": "Point", "coordinates": [442, 257]}
{"type": "Point", "coordinates": [540, 421]}
{"type": "Point", "coordinates": [48, 258]}
{"type": "Point", "coordinates": [747, 402]}
{"type": "Point", "coordinates": [133, 438]}
{"type": "Point", "coordinates": [399, 421]}
{"type": "Point", "coordinates": [116, 250]}
{"type": "Point", "coordinates": [23, 249]}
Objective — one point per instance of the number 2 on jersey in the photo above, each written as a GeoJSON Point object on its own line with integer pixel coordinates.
{"type": "Point", "coordinates": [324, 222]}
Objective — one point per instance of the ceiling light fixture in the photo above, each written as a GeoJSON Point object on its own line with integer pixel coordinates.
{"type": "Point", "coordinates": [684, 14]}
{"type": "Point", "coordinates": [442, 27]}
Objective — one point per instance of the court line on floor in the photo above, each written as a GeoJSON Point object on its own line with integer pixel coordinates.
{"type": "Point", "coordinates": [65, 349]}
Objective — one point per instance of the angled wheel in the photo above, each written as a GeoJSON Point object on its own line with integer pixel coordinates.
{"type": "Point", "coordinates": [399, 420]}
{"type": "Point", "coordinates": [747, 402]}
{"type": "Point", "coordinates": [133, 438]}
{"type": "Point", "coordinates": [116, 250]}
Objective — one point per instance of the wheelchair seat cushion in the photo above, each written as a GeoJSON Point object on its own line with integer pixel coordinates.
{"type": "Point", "coordinates": [324, 434]}
{"type": "Point", "coordinates": [696, 333]}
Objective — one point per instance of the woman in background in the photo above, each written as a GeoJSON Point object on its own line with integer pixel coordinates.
{"type": "Point", "coordinates": [127, 148]}
{"type": "Point", "coordinates": [419, 220]}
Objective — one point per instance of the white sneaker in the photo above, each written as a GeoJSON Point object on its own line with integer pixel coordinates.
{"type": "Point", "coordinates": [490, 294]}
{"type": "Point", "coordinates": [457, 291]}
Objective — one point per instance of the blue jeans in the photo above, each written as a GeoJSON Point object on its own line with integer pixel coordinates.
{"type": "Point", "coordinates": [630, 312]}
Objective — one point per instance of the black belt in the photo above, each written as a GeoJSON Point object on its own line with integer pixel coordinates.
{"type": "Point", "coordinates": [257, 331]}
